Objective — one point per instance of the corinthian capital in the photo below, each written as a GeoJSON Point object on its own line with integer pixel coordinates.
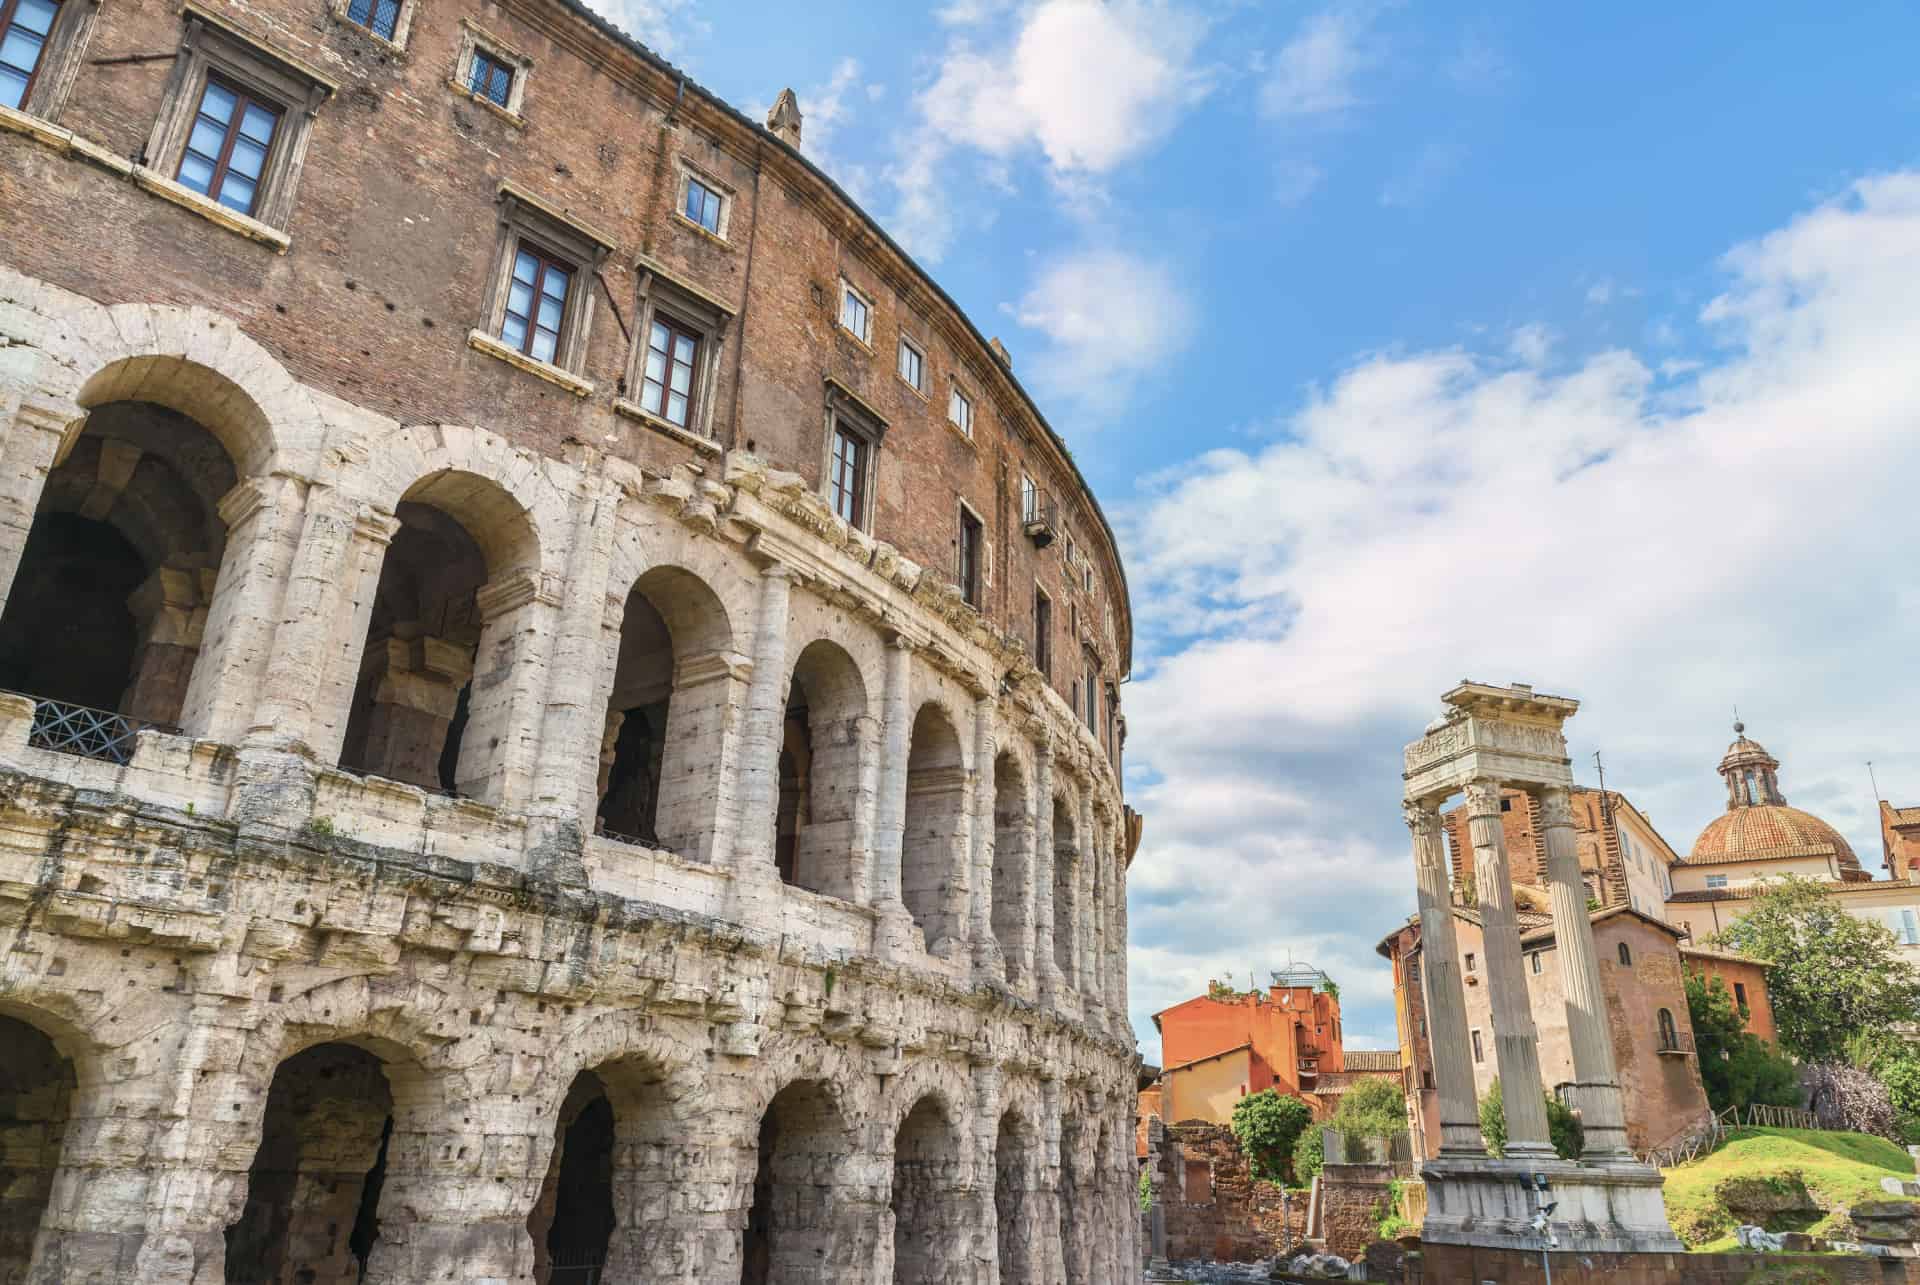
{"type": "Point", "coordinates": [1556, 806]}
{"type": "Point", "coordinates": [1483, 799]}
{"type": "Point", "coordinates": [1421, 818]}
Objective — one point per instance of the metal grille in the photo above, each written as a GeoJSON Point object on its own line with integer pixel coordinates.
{"type": "Point", "coordinates": [88, 733]}
{"type": "Point", "coordinates": [583, 1269]}
{"type": "Point", "coordinates": [637, 840]}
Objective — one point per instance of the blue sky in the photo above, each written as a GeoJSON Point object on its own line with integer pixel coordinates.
{"type": "Point", "coordinates": [1406, 343]}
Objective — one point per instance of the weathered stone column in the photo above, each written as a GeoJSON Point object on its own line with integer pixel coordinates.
{"type": "Point", "coordinates": [763, 727]}
{"type": "Point", "coordinates": [1596, 1077]}
{"type": "Point", "coordinates": [1086, 907]}
{"type": "Point", "coordinates": [1045, 968]}
{"type": "Point", "coordinates": [572, 720]}
{"type": "Point", "coordinates": [370, 535]}
{"type": "Point", "coordinates": [890, 806]}
{"type": "Point", "coordinates": [988, 960]}
{"type": "Point", "coordinates": [1446, 997]}
{"type": "Point", "coordinates": [308, 620]}
{"type": "Point", "coordinates": [27, 451]}
{"type": "Point", "coordinates": [982, 1237]}
{"type": "Point", "coordinates": [1515, 1042]}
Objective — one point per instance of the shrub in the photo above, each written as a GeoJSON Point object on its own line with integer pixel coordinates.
{"type": "Point", "coordinates": [1268, 1124]}
{"type": "Point", "coordinates": [1563, 1127]}
{"type": "Point", "coordinates": [1309, 1156]}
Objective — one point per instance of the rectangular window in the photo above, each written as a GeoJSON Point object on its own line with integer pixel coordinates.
{"type": "Point", "coordinates": [25, 26]}
{"type": "Point", "coordinates": [1716, 881]}
{"type": "Point", "coordinates": [969, 558]}
{"type": "Point", "coordinates": [1534, 959]}
{"type": "Point", "coordinates": [703, 205]}
{"type": "Point", "coordinates": [666, 385]}
{"type": "Point", "coordinates": [1469, 961]}
{"type": "Point", "coordinates": [1042, 632]}
{"type": "Point", "coordinates": [228, 148]}
{"type": "Point", "coordinates": [849, 476]}
{"type": "Point", "coordinates": [1413, 972]}
{"type": "Point", "coordinates": [1740, 995]}
{"type": "Point", "coordinates": [1479, 1055]}
{"type": "Point", "coordinates": [381, 17]}
{"type": "Point", "coordinates": [536, 303]}
{"type": "Point", "coordinates": [960, 411]}
{"type": "Point", "coordinates": [1029, 499]}
{"type": "Point", "coordinates": [856, 315]}
{"type": "Point", "coordinates": [1909, 930]}
{"type": "Point", "coordinates": [490, 78]}
{"type": "Point", "coordinates": [913, 366]}
{"type": "Point", "coordinates": [1092, 711]}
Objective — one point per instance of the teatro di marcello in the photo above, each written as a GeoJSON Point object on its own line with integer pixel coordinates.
{"type": "Point", "coordinates": [559, 703]}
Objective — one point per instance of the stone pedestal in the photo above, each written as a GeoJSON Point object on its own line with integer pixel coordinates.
{"type": "Point", "coordinates": [1488, 1202]}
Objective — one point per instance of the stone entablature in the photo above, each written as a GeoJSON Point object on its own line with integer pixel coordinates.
{"type": "Point", "coordinates": [938, 1018]}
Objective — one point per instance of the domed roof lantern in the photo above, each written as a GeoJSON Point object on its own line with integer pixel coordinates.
{"type": "Point", "coordinates": [1750, 773]}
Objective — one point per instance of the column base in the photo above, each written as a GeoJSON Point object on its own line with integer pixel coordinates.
{"type": "Point", "coordinates": [113, 1258]}
{"type": "Point", "coordinates": [480, 1253]}
{"type": "Point", "coordinates": [895, 935]}
{"type": "Point", "coordinates": [1492, 1203]}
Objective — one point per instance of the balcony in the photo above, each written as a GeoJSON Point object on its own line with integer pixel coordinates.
{"type": "Point", "coordinates": [61, 728]}
{"type": "Point", "coordinates": [1040, 515]}
{"type": "Point", "coordinates": [1676, 1044]}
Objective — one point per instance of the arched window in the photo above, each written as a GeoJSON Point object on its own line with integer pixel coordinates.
{"type": "Point", "coordinates": [1626, 956]}
{"type": "Point", "coordinates": [1669, 1034]}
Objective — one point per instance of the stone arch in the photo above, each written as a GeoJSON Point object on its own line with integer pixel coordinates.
{"type": "Point", "coordinates": [927, 1198]}
{"type": "Point", "coordinates": [445, 687]}
{"type": "Point", "coordinates": [1018, 1184]}
{"type": "Point", "coordinates": [809, 1217]}
{"type": "Point", "coordinates": [676, 675]}
{"type": "Point", "coordinates": [39, 1085]}
{"type": "Point", "coordinates": [1013, 866]}
{"type": "Point", "coordinates": [933, 853]}
{"type": "Point", "coordinates": [821, 840]}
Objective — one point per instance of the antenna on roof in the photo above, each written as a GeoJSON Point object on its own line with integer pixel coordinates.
{"type": "Point", "coordinates": [1875, 780]}
{"type": "Point", "coordinates": [1739, 728]}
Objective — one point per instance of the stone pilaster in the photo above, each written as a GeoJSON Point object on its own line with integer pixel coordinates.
{"type": "Point", "coordinates": [895, 927]}
{"type": "Point", "coordinates": [1596, 1078]}
{"type": "Point", "coordinates": [572, 720]}
{"type": "Point", "coordinates": [1085, 916]}
{"type": "Point", "coordinates": [1045, 968]}
{"type": "Point", "coordinates": [1516, 1044]}
{"type": "Point", "coordinates": [309, 611]}
{"type": "Point", "coordinates": [1446, 997]}
{"type": "Point", "coordinates": [27, 451]}
{"type": "Point", "coordinates": [370, 535]}
{"type": "Point", "coordinates": [763, 727]}
{"type": "Point", "coordinates": [988, 960]}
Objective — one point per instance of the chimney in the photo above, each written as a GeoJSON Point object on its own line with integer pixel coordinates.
{"type": "Point", "coordinates": [1000, 351]}
{"type": "Point", "coordinates": [784, 119]}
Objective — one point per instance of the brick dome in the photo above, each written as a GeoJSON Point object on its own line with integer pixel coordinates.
{"type": "Point", "coordinates": [1758, 824]}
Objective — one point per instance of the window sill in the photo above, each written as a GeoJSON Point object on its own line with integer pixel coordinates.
{"type": "Point", "coordinates": [480, 341]}
{"type": "Point", "coordinates": [687, 437]}
{"type": "Point", "coordinates": [908, 385]}
{"type": "Point", "coordinates": [211, 210]}
{"type": "Point", "coordinates": [517, 121]}
{"type": "Point", "coordinates": [864, 345]}
{"type": "Point", "coordinates": [395, 49]}
{"type": "Point", "coordinates": [691, 226]}
{"type": "Point", "coordinates": [961, 433]}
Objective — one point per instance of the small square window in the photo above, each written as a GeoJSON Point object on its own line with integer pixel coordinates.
{"type": "Point", "coordinates": [227, 150]}
{"type": "Point", "coordinates": [913, 366]}
{"type": "Point", "coordinates": [1469, 961]}
{"type": "Point", "coordinates": [960, 411]}
{"type": "Point", "coordinates": [1716, 881]}
{"type": "Point", "coordinates": [703, 205]}
{"type": "Point", "coordinates": [856, 314]}
{"type": "Point", "coordinates": [490, 78]}
{"type": "Point", "coordinates": [381, 17]}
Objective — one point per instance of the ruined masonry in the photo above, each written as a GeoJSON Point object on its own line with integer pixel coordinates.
{"type": "Point", "coordinates": [627, 794]}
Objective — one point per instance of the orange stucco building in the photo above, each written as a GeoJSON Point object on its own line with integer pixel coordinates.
{"type": "Point", "coordinates": [1223, 1045]}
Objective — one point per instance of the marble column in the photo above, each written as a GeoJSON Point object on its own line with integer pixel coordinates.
{"type": "Point", "coordinates": [1446, 997]}
{"type": "Point", "coordinates": [988, 960]}
{"type": "Point", "coordinates": [1045, 968]}
{"type": "Point", "coordinates": [1596, 1078]}
{"type": "Point", "coordinates": [1086, 846]}
{"type": "Point", "coordinates": [572, 720]}
{"type": "Point", "coordinates": [893, 933]}
{"type": "Point", "coordinates": [1116, 995]}
{"type": "Point", "coordinates": [1516, 1044]}
{"type": "Point", "coordinates": [763, 727]}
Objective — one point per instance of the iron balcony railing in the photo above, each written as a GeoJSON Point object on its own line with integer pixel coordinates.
{"type": "Point", "coordinates": [1040, 516]}
{"type": "Point", "coordinates": [1676, 1043]}
{"type": "Point", "coordinates": [87, 733]}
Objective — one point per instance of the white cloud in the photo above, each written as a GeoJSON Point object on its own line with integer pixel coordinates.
{"type": "Point", "coordinates": [1662, 551]}
{"type": "Point", "coordinates": [1107, 316]}
{"type": "Point", "coordinates": [1091, 84]}
{"type": "Point", "coordinates": [1314, 74]}
{"type": "Point", "coordinates": [1532, 344]}
{"type": "Point", "coordinates": [661, 25]}
{"type": "Point", "coordinates": [1295, 181]}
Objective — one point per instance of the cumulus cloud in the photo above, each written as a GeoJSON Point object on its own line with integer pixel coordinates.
{"type": "Point", "coordinates": [1661, 548]}
{"type": "Point", "coordinates": [661, 25]}
{"type": "Point", "coordinates": [1107, 316]}
{"type": "Point", "coordinates": [1315, 74]}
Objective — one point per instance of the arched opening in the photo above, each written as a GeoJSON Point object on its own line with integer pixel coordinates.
{"type": "Point", "coordinates": [827, 733]}
{"type": "Point", "coordinates": [791, 1228]}
{"type": "Point", "coordinates": [313, 1192]}
{"type": "Point", "coordinates": [1065, 913]}
{"type": "Point", "coordinates": [36, 1096]}
{"type": "Point", "coordinates": [927, 1208]}
{"type": "Point", "coordinates": [666, 715]}
{"type": "Point", "coordinates": [1075, 1232]}
{"type": "Point", "coordinates": [1625, 952]}
{"type": "Point", "coordinates": [572, 1222]}
{"type": "Point", "coordinates": [1012, 867]}
{"type": "Point", "coordinates": [1015, 1177]}
{"type": "Point", "coordinates": [932, 882]}
{"type": "Point", "coordinates": [108, 609]}
{"type": "Point", "coordinates": [410, 707]}
{"type": "Point", "coordinates": [1669, 1033]}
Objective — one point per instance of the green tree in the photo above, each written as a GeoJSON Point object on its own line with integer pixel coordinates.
{"type": "Point", "coordinates": [1372, 1108]}
{"type": "Point", "coordinates": [1736, 1065]}
{"type": "Point", "coordinates": [1833, 975]}
{"type": "Point", "coordinates": [1563, 1127]}
{"type": "Point", "coordinates": [1309, 1155]}
{"type": "Point", "coordinates": [1268, 1124]}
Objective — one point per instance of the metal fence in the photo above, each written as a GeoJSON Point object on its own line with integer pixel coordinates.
{"type": "Point", "coordinates": [88, 733]}
{"type": "Point", "coordinates": [1711, 1134]}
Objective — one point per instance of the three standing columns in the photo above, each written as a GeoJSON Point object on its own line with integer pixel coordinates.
{"type": "Point", "coordinates": [1596, 1077]}
{"type": "Point", "coordinates": [1446, 997]}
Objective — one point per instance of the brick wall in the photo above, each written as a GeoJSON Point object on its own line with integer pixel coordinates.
{"type": "Point", "coordinates": [1352, 1198]}
{"type": "Point", "coordinates": [1239, 1219]}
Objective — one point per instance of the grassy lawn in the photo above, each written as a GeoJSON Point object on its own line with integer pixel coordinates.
{"type": "Point", "coordinates": [1785, 1179]}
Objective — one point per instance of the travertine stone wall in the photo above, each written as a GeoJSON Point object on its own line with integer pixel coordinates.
{"type": "Point", "coordinates": [235, 945]}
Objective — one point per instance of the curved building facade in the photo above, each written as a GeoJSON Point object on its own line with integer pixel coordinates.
{"type": "Point", "coordinates": [560, 712]}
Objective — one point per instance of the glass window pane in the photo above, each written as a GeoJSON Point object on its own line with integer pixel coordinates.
{"type": "Point", "coordinates": [656, 366]}
{"type": "Point", "coordinates": [677, 409]}
{"type": "Point", "coordinates": [683, 349]}
{"type": "Point", "coordinates": [544, 344]}
{"type": "Point", "coordinates": [196, 172]}
{"type": "Point", "coordinates": [247, 158]}
{"type": "Point", "coordinates": [386, 18]}
{"type": "Point", "coordinates": [502, 83]}
{"type": "Point", "coordinates": [360, 11]}
{"type": "Point", "coordinates": [525, 267]}
{"type": "Point", "coordinates": [682, 378]}
{"type": "Point", "coordinates": [651, 391]}
{"type": "Point", "coordinates": [257, 124]}
{"type": "Point", "coordinates": [36, 16]}
{"type": "Point", "coordinates": [520, 299]}
{"type": "Point", "coordinates": [554, 286]}
{"type": "Point", "coordinates": [13, 87]}
{"type": "Point", "coordinates": [206, 138]}
{"type": "Point", "coordinates": [550, 314]}
{"type": "Point", "coordinates": [217, 103]}
{"type": "Point", "coordinates": [236, 192]}
{"type": "Point", "coordinates": [657, 337]}
{"type": "Point", "coordinates": [514, 331]}
{"type": "Point", "coordinates": [20, 51]}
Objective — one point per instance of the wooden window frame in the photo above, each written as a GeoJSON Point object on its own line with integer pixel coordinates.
{"type": "Point", "coordinates": [675, 329]}
{"type": "Point", "coordinates": [210, 49]}
{"type": "Point", "coordinates": [970, 563]}
{"type": "Point", "coordinates": [847, 483]}
{"type": "Point", "coordinates": [486, 63]}
{"type": "Point", "coordinates": [920, 364]}
{"type": "Point", "coordinates": [663, 297]}
{"type": "Point", "coordinates": [524, 217]}
{"type": "Point", "coordinates": [850, 291]}
{"type": "Point", "coordinates": [61, 55]}
{"type": "Point", "coordinates": [217, 181]}
{"type": "Point", "coordinates": [545, 261]}
{"type": "Point", "coordinates": [846, 412]}
{"type": "Point", "coordinates": [956, 392]}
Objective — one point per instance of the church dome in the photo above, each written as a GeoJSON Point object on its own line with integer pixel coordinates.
{"type": "Point", "coordinates": [1758, 824]}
